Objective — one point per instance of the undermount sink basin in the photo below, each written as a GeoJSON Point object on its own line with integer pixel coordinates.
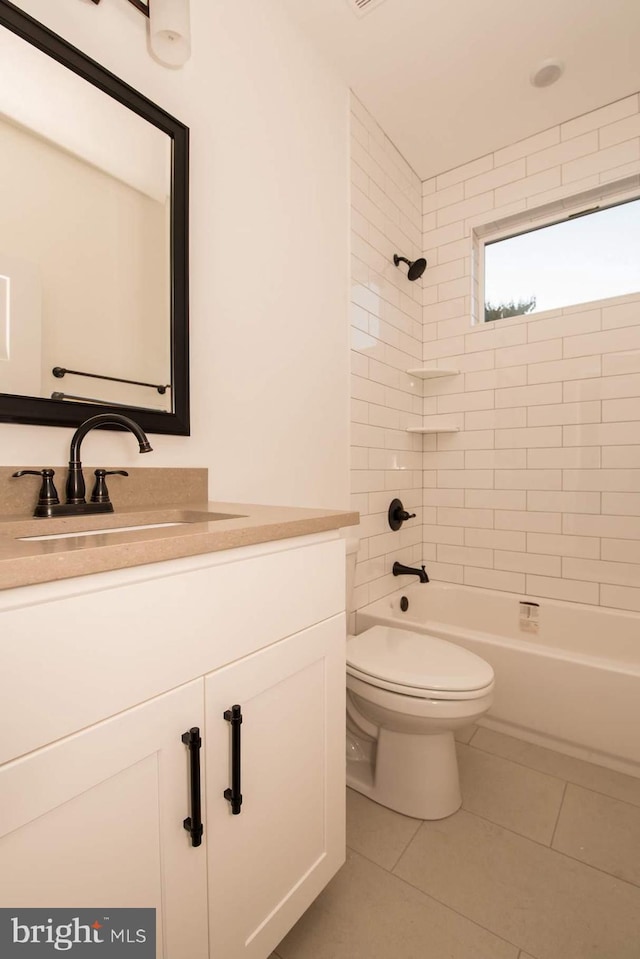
{"type": "Point", "coordinates": [182, 518]}
{"type": "Point", "coordinates": [93, 532]}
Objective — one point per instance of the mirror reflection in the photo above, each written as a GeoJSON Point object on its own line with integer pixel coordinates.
{"type": "Point", "coordinates": [85, 240]}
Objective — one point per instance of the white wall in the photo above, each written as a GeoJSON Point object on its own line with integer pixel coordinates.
{"type": "Point", "coordinates": [540, 489]}
{"type": "Point", "coordinates": [269, 228]}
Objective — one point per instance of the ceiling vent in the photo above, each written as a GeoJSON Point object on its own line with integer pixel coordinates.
{"type": "Point", "coordinates": [362, 7]}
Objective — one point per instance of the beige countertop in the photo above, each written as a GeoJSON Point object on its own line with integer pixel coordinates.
{"type": "Point", "coordinates": [24, 562]}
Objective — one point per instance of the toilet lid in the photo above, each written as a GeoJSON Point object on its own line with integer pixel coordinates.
{"type": "Point", "coordinates": [416, 660]}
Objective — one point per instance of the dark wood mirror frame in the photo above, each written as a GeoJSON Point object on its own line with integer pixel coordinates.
{"type": "Point", "coordinates": [48, 412]}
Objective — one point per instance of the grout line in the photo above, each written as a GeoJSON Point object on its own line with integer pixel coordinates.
{"type": "Point", "coordinates": [553, 834]}
{"type": "Point", "coordinates": [457, 912]}
{"type": "Point", "coordinates": [363, 855]}
{"type": "Point", "coordinates": [628, 882]}
{"type": "Point", "coordinates": [596, 792]}
{"type": "Point", "coordinates": [473, 735]}
{"type": "Point", "coordinates": [512, 831]}
{"type": "Point", "coordinates": [406, 846]}
{"type": "Point", "coordinates": [573, 782]}
{"type": "Point", "coordinates": [487, 752]}
{"type": "Point", "coordinates": [433, 898]}
{"type": "Point", "coordinates": [557, 852]}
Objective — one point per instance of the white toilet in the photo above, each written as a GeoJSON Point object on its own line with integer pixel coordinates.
{"type": "Point", "coordinates": [406, 694]}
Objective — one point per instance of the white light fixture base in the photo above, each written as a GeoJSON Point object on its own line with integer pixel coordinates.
{"type": "Point", "coordinates": [170, 31]}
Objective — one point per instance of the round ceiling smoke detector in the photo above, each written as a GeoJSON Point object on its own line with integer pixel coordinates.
{"type": "Point", "coordinates": [547, 73]}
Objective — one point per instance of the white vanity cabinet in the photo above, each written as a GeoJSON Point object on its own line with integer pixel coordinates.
{"type": "Point", "coordinates": [95, 820]}
{"type": "Point", "coordinates": [102, 675]}
{"type": "Point", "coordinates": [268, 863]}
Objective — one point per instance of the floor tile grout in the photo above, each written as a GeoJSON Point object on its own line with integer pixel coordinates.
{"type": "Point", "coordinates": [406, 845]}
{"type": "Point", "coordinates": [508, 759]}
{"type": "Point", "coordinates": [493, 932]}
{"type": "Point", "coordinates": [447, 905]}
{"type": "Point", "coordinates": [558, 852]}
{"type": "Point", "coordinates": [441, 902]}
{"type": "Point", "coordinates": [578, 819]}
{"type": "Point", "coordinates": [445, 897]}
{"type": "Point", "coordinates": [473, 736]}
{"type": "Point", "coordinates": [555, 828]}
{"type": "Point", "coordinates": [513, 832]}
{"type": "Point", "coordinates": [542, 772]}
{"type": "Point", "coordinates": [596, 792]}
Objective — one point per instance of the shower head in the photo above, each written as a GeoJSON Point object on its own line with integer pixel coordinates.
{"type": "Point", "coordinates": [416, 267]}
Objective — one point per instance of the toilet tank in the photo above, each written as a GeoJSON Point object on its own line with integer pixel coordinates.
{"type": "Point", "coordinates": [352, 542]}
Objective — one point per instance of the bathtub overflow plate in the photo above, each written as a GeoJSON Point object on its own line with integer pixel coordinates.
{"type": "Point", "coordinates": [529, 616]}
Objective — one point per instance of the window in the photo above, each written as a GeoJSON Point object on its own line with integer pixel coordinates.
{"type": "Point", "coordinates": [588, 256]}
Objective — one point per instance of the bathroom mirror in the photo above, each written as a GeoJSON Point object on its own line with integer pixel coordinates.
{"type": "Point", "coordinates": [93, 240]}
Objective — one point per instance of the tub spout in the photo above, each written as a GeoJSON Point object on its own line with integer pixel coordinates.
{"type": "Point", "coordinates": [400, 570]}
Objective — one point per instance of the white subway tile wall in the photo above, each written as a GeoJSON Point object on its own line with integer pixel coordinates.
{"type": "Point", "coordinates": [539, 492]}
{"type": "Point", "coordinates": [386, 341]}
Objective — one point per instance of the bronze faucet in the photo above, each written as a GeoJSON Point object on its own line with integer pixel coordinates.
{"type": "Point", "coordinates": [76, 505]}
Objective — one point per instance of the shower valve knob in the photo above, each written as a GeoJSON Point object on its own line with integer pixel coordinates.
{"type": "Point", "coordinates": [398, 514]}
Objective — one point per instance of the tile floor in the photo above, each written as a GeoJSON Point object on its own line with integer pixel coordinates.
{"type": "Point", "coordinates": [541, 862]}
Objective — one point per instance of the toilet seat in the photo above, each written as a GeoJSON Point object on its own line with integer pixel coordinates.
{"type": "Point", "coordinates": [418, 692]}
{"type": "Point", "coordinates": [417, 665]}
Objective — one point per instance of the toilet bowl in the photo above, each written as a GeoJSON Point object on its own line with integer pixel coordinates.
{"type": "Point", "coordinates": [406, 694]}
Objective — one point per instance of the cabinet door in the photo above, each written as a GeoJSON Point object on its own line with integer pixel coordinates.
{"type": "Point", "coordinates": [96, 820]}
{"type": "Point", "coordinates": [267, 864]}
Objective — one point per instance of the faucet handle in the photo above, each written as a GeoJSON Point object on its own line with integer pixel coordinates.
{"type": "Point", "coordinates": [100, 492]}
{"type": "Point", "coordinates": [48, 495]}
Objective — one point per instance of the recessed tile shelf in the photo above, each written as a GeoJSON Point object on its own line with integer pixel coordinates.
{"type": "Point", "coordinates": [432, 372]}
{"type": "Point", "coordinates": [444, 428]}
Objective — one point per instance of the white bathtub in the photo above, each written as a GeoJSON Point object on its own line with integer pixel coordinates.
{"type": "Point", "coordinates": [572, 684]}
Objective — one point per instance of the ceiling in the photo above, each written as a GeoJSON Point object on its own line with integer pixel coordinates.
{"type": "Point", "coordinates": [448, 80]}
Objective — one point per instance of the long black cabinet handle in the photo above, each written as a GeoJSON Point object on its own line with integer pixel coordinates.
{"type": "Point", "coordinates": [193, 823]}
{"type": "Point", "coordinates": [234, 795]}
